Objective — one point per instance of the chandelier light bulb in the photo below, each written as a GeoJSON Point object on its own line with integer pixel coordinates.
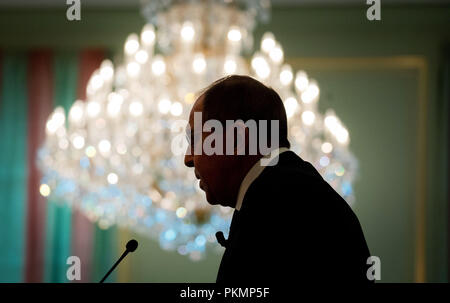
{"type": "Point", "coordinates": [176, 109]}
{"type": "Point", "coordinates": [93, 109]}
{"type": "Point", "coordinates": [327, 147]}
{"type": "Point", "coordinates": [107, 70]}
{"type": "Point", "coordinates": [263, 71]}
{"type": "Point", "coordinates": [112, 178]}
{"type": "Point", "coordinates": [44, 190]}
{"type": "Point", "coordinates": [141, 56]}
{"type": "Point", "coordinates": [261, 67]}
{"type": "Point", "coordinates": [132, 44]}
{"type": "Point", "coordinates": [230, 66]}
{"type": "Point", "coordinates": [311, 93]}
{"type": "Point", "coordinates": [96, 81]}
{"type": "Point", "coordinates": [78, 141]}
{"type": "Point", "coordinates": [267, 42]}
{"type": "Point", "coordinates": [164, 105]}
{"type": "Point", "coordinates": [136, 108]}
{"type": "Point", "coordinates": [90, 151]}
{"type": "Point", "coordinates": [313, 88]}
{"type": "Point", "coordinates": [199, 64]}
{"type": "Point", "coordinates": [187, 31]}
{"type": "Point", "coordinates": [331, 123]}
{"type": "Point", "coordinates": [301, 81]}
{"type": "Point", "coordinates": [342, 135]}
{"type": "Point", "coordinates": [51, 127]}
{"type": "Point", "coordinates": [58, 117]}
{"type": "Point", "coordinates": [257, 61]}
{"type": "Point", "coordinates": [181, 212]}
{"type": "Point", "coordinates": [234, 34]}
{"type": "Point", "coordinates": [308, 117]}
{"type": "Point", "coordinates": [158, 66]}
{"type": "Point", "coordinates": [148, 35]}
{"type": "Point", "coordinates": [133, 69]}
{"type": "Point", "coordinates": [286, 75]}
{"type": "Point", "coordinates": [104, 146]}
{"type": "Point", "coordinates": [276, 54]}
{"type": "Point", "coordinates": [76, 112]}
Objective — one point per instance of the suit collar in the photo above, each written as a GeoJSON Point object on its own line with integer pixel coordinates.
{"type": "Point", "coordinates": [255, 171]}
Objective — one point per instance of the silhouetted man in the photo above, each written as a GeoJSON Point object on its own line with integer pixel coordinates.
{"type": "Point", "coordinates": [288, 223]}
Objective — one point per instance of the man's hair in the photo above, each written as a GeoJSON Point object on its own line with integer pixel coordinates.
{"type": "Point", "coordinates": [242, 97]}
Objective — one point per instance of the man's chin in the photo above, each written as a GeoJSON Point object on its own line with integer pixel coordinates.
{"type": "Point", "coordinates": [211, 199]}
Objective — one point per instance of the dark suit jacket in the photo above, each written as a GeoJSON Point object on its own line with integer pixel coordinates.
{"type": "Point", "coordinates": [293, 226]}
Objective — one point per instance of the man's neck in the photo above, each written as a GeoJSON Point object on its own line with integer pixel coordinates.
{"type": "Point", "coordinates": [243, 168]}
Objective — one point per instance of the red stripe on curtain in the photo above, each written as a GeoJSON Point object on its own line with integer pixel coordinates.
{"type": "Point", "coordinates": [90, 60]}
{"type": "Point", "coordinates": [40, 88]}
{"type": "Point", "coordinates": [82, 228]}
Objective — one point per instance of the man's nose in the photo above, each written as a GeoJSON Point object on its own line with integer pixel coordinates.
{"type": "Point", "coordinates": [188, 159]}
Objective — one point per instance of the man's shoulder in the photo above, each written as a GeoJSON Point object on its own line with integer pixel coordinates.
{"type": "Point", "coordinates": [290, 170]}
{"type": "Point", "coordinates": [295, 184]}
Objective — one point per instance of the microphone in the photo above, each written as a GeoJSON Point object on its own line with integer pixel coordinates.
{"type": "Point", "coordinates": [130, 247]}
{"type": "Point", "coordinates": [221, 239]}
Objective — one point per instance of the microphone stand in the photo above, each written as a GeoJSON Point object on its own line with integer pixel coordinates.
{"type": "Point", "coordinates": [130, 247]}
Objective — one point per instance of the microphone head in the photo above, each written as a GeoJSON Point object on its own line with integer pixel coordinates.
{"type": "Point", "coordinates": [132, 245]}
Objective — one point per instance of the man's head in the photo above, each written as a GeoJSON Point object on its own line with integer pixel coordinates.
{"type": "Point", "coordinates": [230, 99]}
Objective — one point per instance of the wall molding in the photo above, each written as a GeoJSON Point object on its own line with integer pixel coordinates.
{"type": "Point", "coordinates": [420, 65]}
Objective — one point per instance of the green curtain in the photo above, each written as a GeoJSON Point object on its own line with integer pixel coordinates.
{"type": "Point", "coordinates": [13, 178]}
{"type": "Point", "coordinates": [59, 215]}
{"type": "Point", "coordinates": [13, 166]}
{"type": "Point", "coordinates": [58, 225]}
{"type": "Point", "coordinates": [105, 253]}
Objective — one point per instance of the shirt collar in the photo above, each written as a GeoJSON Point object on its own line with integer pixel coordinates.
{"type": "Point", "coordinates": [254, 173]}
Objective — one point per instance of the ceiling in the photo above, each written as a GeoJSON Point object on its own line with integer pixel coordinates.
{"type": "Point", "coordinates": [136, 3]}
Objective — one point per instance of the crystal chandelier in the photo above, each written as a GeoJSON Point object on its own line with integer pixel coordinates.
{"type": "Point", "coordinates": [111, 155]}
